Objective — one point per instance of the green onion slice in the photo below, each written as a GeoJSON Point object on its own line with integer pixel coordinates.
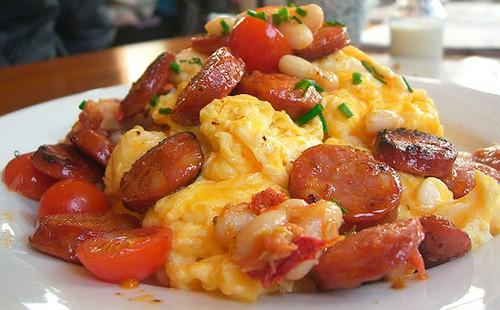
{"type": "Point", "coordinates": [295, 18]}
{"type": "Point", "coordinates": [301, 11]}
{"type": "Point", "coordinates": [333, 23]}
{"type": "Point", "coordinates": [82, 104]}
{"type": "Point", "coordinates": [165, 111]}
{"type": "Point", "coordinates": [345, 110]}
{"type": "Point", "coordinates": [407, 85]}
{"type": "Point", "coordinates": [304, 84]}
{"type": "Point", "coordinates": [175, 67]}
{"type": "Point", "coordinates": [344, 210]}
{"type": "Point", "coordinates": [154, 101]}
{"type": "Point", "coordinates": [373, 72]}
{"type": "Point", "coordinates": [225, 27]}
{"type": "Point", "coordinates": [356, 78]}
{"type": "Point", "coordinates": [259, 15]}
{"type": "Point", "coordinates": [323, 122]}
{"type": "Point", "coordinates": [315, 111]}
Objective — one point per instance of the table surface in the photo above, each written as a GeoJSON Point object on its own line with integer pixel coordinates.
{"type": "Point", "coordinates": [26, 85]}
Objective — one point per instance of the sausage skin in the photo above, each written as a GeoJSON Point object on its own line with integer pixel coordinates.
{"type": "Point", "coordinates": [367, 189]}
{"type": "Point", "coordinates": [58, 235]}
{"type": "Point", "coordinates": [279, 90]}
{"type": "Point", "coordinates": [148, 85]}
{"type": "Point", "coordinates": [489, 156]}
{"type": "Point", "coordinates": [219, 76]}
{"type": "Point", "coordinates": [208, 44]}
{"type": "Point", "coordinates": [326, 41]}
{"type": "Point", "coordinates": [96, 145]}
{"type": "Point", "coordinates": [443, 241]}
{"type": "Point", "coordinates": [415, 152]}
{"type": "Point", "coordinates": [368, 255]}
{"type": "Point", "coordinates": [172, 164]}
{"type": "Point", "coordinates": [64, 161]}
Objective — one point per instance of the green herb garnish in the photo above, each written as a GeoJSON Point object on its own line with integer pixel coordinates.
{"type": "Point", "coordinates": [192, 61]}
{"type": "Point", "coordinates": [154, 101]}
{"type": "Point", "coordinates": [407, 85]}
{"type": "Point", "coordinates": [333, 23]}
{"type": "Point", "coordinates": [259, 15]}
{"type": "Point", "coordinates": [165, 111]}
{"type": "Point", "coordinates": [345, 110]}
{"type": "Point", "coordinates": [305, 84]}
{"type": "Point", "coordinates": [373, 72]}
{"type": "Point", "coordinates": [281, 16]}
{"type": "Point", "coordinates": [356, 78]}
{"type": "Point", "coordinates": [82, 104]}
{"type": "Point", "coordinates": [304, 119]}
{"type": "Point", "coordinates": [301, 11]}
{"type": "Point", "coordinates": [295, 18]}
{"type": "Point", "coordinates": [175, 67]}
{"type": "Point", "coordinates": [323, 122]}
{"type": "Point", "coordinates": [17, 153]}
{"type": "Point", "coordinates": [344, 210]}
{"type": "Point", "coordinates": [225, 27]}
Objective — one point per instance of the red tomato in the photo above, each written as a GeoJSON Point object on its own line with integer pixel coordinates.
{"type": "Point", "coordinates": [129, 254]}
{"type": "Point", "coordinates": [73, 196]}
{"type": "Point", "coordinates": [259, 44]}
{"type": "Point", "coordinates": [21, 176]}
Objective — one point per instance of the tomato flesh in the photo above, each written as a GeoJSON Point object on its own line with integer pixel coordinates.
{"type": "Point", "coordinates": [73, 196]}
{"type": "Point", "coordinates": [122, 255]}
{"type": "Point", "coordinates": [21, 176]}
{"type": "Point", "coordinates": [259, 44]}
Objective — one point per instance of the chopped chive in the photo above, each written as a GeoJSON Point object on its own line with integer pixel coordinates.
{"type": "Point", "coordinates": [225, 27]}
{"type": "Point", "coordinates": [407, 85]}
{"type": "Point", "coordinates": [259, 15]}
{"type": "Point", "coordinates": [301, 11]}
{"type": "Point", "coordinates": [304, 84]}
{"type": "Point", "coordinates": [333, 23]}
{"type": "Point", "coordinates": [17, 153]}
{"type": "Point", "coordinates": [175, 67]}
{"type": "Point", "coordinates": [165, 111]}
{"type": "Point", "coordinates": [304, 119]}
{"type": "Point", "coordinates": [281, 16]}
{"type": "Point", "coordinates": [356, 78]}
{"type": "Point", "coordinates": [373, 72]}
{"type": "Point", "coordinates": [82, 104]}
{"type": "Point", "coordinates": [345, 110]}
{"type": "Point", "coordinates": [323, 122]}
{"type": "Point", "coordinates": [192, 61]}
{"type": "Point", "coordinates": [295, 18]}
{"type": "Point", "coordinates": [344, 210]}
{"type": "Point", "coordinates": [154, 101]}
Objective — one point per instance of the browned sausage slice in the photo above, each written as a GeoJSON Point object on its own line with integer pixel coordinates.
{"type": "Point", "coordinates": [443, 241]}
{"type": "Point", "coordinates": [96, 145]}
{"type": "Point", "coordinates": [279, 90]}
{"type": "Point", "coordinates": [58, 235]}
{"type": "Point", "coordinates": [368, 255]}
{"type": "Point", "coordinates": [208, 44]}
{"type": "Point", "coordinates": [148, 85]}
{"type": "Point", "coordinates": [489, 156]}
{"type": "Point", "coordinates": [326, 41]}
{"type": "Point", "coordinates": [415, 152]}
{"type": "Point", "coordinates": [64, 161]}
{"type": "Point", "coordinates": [369, 190]}
{"type": "Point", "coordinates": [172, 164]}
{"type": "Point", "coordinates": [220, 74]}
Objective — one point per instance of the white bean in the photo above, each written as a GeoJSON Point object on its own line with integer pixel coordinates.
{"type": "Point", "coordinates": [300, 271]}
{"type": "Point", "coordinates": [303, 69]}
{"type": "Point", "coordinates": [299, 36]}
{"type": "Point", "coordinates": [231, 221]}
{"type": "Point", "coordinates": [382, 119]}
{"type": "Point", "coordinates": [314, 18]}
{"type": "Point", "coordinates": [214, 26]}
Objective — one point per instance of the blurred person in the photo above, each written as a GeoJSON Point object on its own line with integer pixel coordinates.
{"type": "Point", "coordinates": [32, 30]}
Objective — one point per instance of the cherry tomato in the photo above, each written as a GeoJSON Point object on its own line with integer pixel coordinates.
{"type": "Point", "coordinates": [259, 44]}
{"type": "Point", "coordinates": [129, 254]}
{"type": "Point", "coordinates": [21, 176]}
{"type": "Point", "coordinates": [73, 196]}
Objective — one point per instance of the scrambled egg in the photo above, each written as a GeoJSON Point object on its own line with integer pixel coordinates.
{"type": "Point", "coordinates": [249, 147]}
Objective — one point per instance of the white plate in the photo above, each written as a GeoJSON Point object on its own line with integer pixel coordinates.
{"type": "Point", "coordinates": [36, 281]}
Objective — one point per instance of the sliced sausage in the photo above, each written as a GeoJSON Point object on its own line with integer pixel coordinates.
{"type": "Point", "coordinates": [279, 90]}
{"type": "Point", "coordinates": [172, 164]}
{"type": "Point", "coordinates": [368, 255]}
{"type": "Point", "coordinates": [443, 241]}
{"type": "Point", "coordinates": [489, 156]}
{"type": "Point", "coordinates": [96, 145]}
{"type": "Point", "coordinates": [64, 161]}
{"type": "Point", "coordinates": [58, 235]}
{"type": "Point", "coordinates": [367, 189]}
{"type": "Point", "coordinates": [326, 41]}
{"type": "Point", "coordinates": [208, 44]}
{"type": "Point", "coordinates": [220, 74]}
{"type": "Point", "coordinates": [461, 178]}
{"type": "Point", "coordinates": [149, 84]}
{"type": "Point", "coordinates": [415, 152]}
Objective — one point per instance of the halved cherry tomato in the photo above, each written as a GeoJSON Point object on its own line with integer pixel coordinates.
{"type": "Point", "coordinates": [259, 44]}
{"type": "Point", "coordinates": [21, 176]}
{"type": "Point", "coordinates": [129, 254]}
{"type": "Point", "coordinates": [73, 196]}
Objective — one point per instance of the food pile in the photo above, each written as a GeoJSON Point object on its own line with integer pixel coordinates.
{"type": "Point", "coordinates": [271, 156]}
